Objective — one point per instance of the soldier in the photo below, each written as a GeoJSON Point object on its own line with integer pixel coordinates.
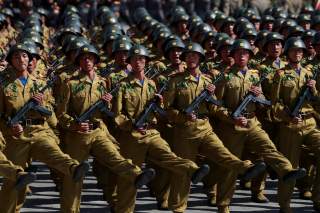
{"type": "Point", "coordinates": [244, 130]}
{"type": "Point", "coordinates": [13, 172]}
{"type": "Point", "coordinates": [31, 137]}
{"type": "Point", "coordinates": [144, 142]}
{"type": "Point", "coordinates": [87, 88]}
{"type": "Point", "coordinates": [193, 132]}
{"type": "Point", "coordinates": [267, 23]}
{"type": "Point", "coordinates": [298, 129]}
{"type": "Point", "coordinates": [160, 185]}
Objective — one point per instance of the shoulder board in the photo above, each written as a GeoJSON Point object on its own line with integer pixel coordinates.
{"type": "Point", "coordinates": [254, 71]}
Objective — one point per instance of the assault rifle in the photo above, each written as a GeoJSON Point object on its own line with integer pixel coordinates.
{"type": "Point", "coordinates": [100, 105]}
{"type": "Point", "coordinates": [151, 108]}
{"type": "Point", "coordinates": [204, 96]}
{"type": "Point", "coordinates": [306, 95]}
{"type": "Point", "coordinates": [251, 98]}
{"type": "Point", "coordinates": [31, 105]}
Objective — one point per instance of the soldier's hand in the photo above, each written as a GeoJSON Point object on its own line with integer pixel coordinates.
{"type": "Point", "coordinates": [256, 90]}
{"type": "Point", "coordinates": [17, 129]}
{"type": "Point", "coordinates": [312, 84]}
{"type": "Point", "coordinates": [297, 120]}
{"type": "Point", "coordinates": [83, 127]}
{"type": "Point", "coordinates": [159, 97]}
{"type": "Point", "coordinates": [38, 98]}
{"type": "Point", "coordinates": [192, 117]}
{"type": "Point", "coordinates": [142, 130]}
{"type": "Point", "coordinates": [107, 97]}
{"type": "Point", "coordinates": [241, 121]}
{"type": "Point", "coordinates": [211, 88]}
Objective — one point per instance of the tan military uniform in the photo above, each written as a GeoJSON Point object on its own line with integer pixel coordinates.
{"type": "Point", "coordinates": [286, 89]}
{"type": "Point", "coordinates": [79, 94]}
{"type": "Point", "coordinates": [131, 100]}
{"type": "Point", "coordinates": [231, 91]}
{"type": "Point", "coordinates": [37, 140]}
{"type": "Point", "coordinates": [7, 169]}
{"type": "Point", "coordinates": [193, 138]}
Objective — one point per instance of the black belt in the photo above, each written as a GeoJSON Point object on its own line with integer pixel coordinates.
{"type": "Point", "coordinates": [30, 122]}
{"type": "Point", "coordinates": [306, 116]}
{"type": "Point", "coordinates": [94, 125]}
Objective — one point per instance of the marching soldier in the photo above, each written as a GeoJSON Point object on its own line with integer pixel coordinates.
{"type": "Point", "coordinates": [244, 130]}
{"type": "Point", "coordinates": [90, 136]}
{"type": "Point", "coordinates": [193, 131]}
{"type": "Point", "coordinates": [300, 129]}
{"type": "Point", "coordinates": [31, 137]}
{"type": "Point", "coordinates": [141, 143]}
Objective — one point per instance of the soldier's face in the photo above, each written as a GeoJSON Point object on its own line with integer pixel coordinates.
{"type": "Point", "coordinates": [257, 25]}
{"type": "Point", "coordinates": [225, 53]}
{"type": "Point", "coordinates": [20, 60]}
{"type": "Point", "coordinates": [120, 58]}
{"type": "Point", "coordinates": [138, 63]}
{"type": "Point", "coordinates": [182, 27]}
{"type": "Point", "coordinates": [317, 48]}
{"type": "Point", "coordinates": [274, 49]}
{"type": "Point", "coordinates": [295, 55]}
{"type": "Point", "coordinates": [229, 29]}
{"type": "Point", "coordinates": [32, 65]}
{"type": "Point", "coordinates": [192, 60]}
{"type": "Point", "coordinates": [174, 55]}
{"type": "Point", "coordinates": [241, 57]}
{"type": "Point", "coordinates": [305, 25]}
{"type": "Point", "coordinates": [87, 62]}
{"type": "Point", "coordinates": [268, 26]}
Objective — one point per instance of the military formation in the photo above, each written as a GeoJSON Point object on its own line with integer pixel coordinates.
{"type": "Point", "coordinates": [194, 92]}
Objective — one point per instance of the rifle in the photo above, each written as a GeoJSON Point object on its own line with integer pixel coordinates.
{"type": "Point", "coordinates": [204, 96]}
{"type": "Point", "coordinates": [99, 105]}
{"type": "Point", "coordinates": [151, 108]}
{"type": "Point", "coordinates": [306, 95]}
{"type": "Point", "coordinates": [151, 72]}
{"type": "Point", "coordinates": [31, 105]}
{"type": "Point", "coordinates": [249, 98]}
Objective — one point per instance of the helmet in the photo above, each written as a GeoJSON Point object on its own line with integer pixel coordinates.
{"type": "Point", "coordinates": [241, 44]}
{"type": "Point", "coordinates": [87, 48]}
{"type": "Point", "coordinates": [315, 20]}
{"type": "Point", "coordinates": [224, 42]}
{"type": "Point", "coordinates": [304, 18]}
{"type": "Point", "coordinates": [76, 44]}
{"type": "Point", "coordinates": [18, 47]}
{"type": "Point", "coordinates": [295, 31]}
{"type": "Point", "coordinates": [249, 32]}
{"type": "Point", "coordinates": [308, 33]}
{"type": "Point", "coordinates": [294, 42]}
{"type": "Point", "coordinates": [316, 39]}
{"type": "Point", "coordinates": [273, 36]}
{"type": "Point", "coordinates": [121, 45]}
{"type": "Point", "coordinates": [173, 44]}
{"type": "Point", "coordinates": [260, 39]}
{"type": "Point", "coordinates": [32, 47]}
{"type": "Point", "coordinates": [267, 19]}
{"type": "Point", "coordinates": [193, 47]}
{"type": "Point", "coordinates": [138, 50]}
{"type": "Point", "coordinates": [287, 23]}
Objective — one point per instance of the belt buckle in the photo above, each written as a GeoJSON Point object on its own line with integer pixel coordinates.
{"type": "Point", "coordinates": [28, 122]}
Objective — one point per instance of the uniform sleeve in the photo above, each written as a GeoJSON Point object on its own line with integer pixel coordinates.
{"type": "Point", "coordinates": [278, 108]}
{"type": "Point", "coordinates": [223, 113]}
{"type": "Point", "coordinates": [2, 112]}
{"type": "Point", "coordinates": [169, 97]}
{"type": "Point", "coordinates": [121, 120]}
{"type": "Point", "coordinates": [65, 120]}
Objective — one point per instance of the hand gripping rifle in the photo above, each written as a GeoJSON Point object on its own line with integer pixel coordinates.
{"type": "Point", "coordinates": [249, 98]}
{"type": "Point", "coordinates": [151, 108]}
{"type": "Point", "coordinates": [100, 105]}
{"type": "Point", "coordinates": [204, 96]}
{"type": "Point", "coordinates": [305, 95]}
{"type": "Point", "coordinates": [31, 105]}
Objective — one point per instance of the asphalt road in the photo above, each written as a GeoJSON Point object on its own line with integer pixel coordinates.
{"type": "Point", "coordinates": [45, 199]}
